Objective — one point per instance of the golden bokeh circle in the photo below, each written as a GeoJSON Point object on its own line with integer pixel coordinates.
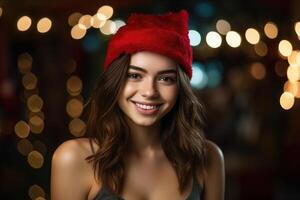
{"type": "Point", "coordinates": [36, 191]}
{"type": "Point", "coordinates": [77, 127]}
{"type": "Point", "coordinates": [22, 129]}
{"type": "Point", "coordinates": [74, 108]}
{"type": "Point", "coordinates": [35, 159]}
{"type": "Point", "coordinates": [35, 103]}
{"type": "Point", "coordinates": [24, 146]}
{"type": "Point", "coordinates": [29, 81]}
{"type": "Point", "coordinates": [36, 124]}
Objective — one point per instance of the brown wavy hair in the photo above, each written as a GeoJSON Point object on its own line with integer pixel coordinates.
{"type": "Point", "coordinates": [182, 138]}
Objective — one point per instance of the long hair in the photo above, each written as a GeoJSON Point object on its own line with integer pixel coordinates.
{"type": "Point", "coordinates": [181, 136]}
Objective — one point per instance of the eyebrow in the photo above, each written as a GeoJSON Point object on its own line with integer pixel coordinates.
{"type": "Point", "coordinates": [145, 71]}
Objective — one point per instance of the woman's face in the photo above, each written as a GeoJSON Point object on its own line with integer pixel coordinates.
{"type": "Point", "coordinates": [150, 90]}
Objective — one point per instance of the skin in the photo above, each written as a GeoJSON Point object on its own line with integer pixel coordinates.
{"type": "Point", "coordinates": [73, 178]}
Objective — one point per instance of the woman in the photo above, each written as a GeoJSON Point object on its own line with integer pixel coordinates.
{"type": "Point", "coordinates": [145, 122]}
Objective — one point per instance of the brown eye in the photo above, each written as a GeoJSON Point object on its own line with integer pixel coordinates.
{"type": "Point", "coordinates": [167, 79]}
{"type": "Point", "coordinates": [133, 76]}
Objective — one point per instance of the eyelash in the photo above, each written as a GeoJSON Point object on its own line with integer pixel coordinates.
{"type": "Point", "coordinates": [136, 76]}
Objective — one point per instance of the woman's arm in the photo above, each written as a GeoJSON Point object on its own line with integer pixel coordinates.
{"type": "Point", "coordinates": [214, 176]}
{"type": "Point", "coordinates": [70, 174]}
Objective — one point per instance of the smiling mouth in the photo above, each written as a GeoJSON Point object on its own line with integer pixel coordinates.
{"type": "Point", "coordinates": [147, 106]}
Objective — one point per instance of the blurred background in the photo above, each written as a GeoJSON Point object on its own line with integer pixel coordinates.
{"type": "Point", "coordinates": [246, 71]}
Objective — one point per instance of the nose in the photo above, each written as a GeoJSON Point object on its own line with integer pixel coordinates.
{"type": "Point", "coordinates": [149, 89]}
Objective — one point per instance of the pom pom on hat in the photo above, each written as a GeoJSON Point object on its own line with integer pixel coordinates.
{"type": "Point", "coordinates": [164, 34]}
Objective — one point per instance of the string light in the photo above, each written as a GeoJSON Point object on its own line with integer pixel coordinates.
{"type": "Point", "coordinates": [29, 81]}
{"type": "Point", "coordinates": [24, 23]}
{"type": "Point", "coordinates": [35, 159]}
{"type": "Point", "coordinates": [77, 32]}
{"type": "Point", "coordinates": [77, 127]}
{"type": "Point", "coordinates": [85, 22]}
{"type": "Point", "coordinates": [22, 129]}
{"type": "Point", "coordinates": [44, 25]}
{"type": "Point", "coordinates": [105, 12]}
{"type": "Point", "coordinates": [233, 39]}
{"type": "Point", "coordinates": [195, 37]}
{"type": "Point", "coordinates": [261, 48]}
{"type": "Point", "coordinates": [297, 28]}
{"type": "Point", "coordinates": [74, 108]}
{"type": "Point", "coordinates": [74, 18]}
{"type": "Point", "coordinates": [287, 100]}
{"type": "Point", "coordinates": [35, 192]}
{"type": "Point", "coordinates": [223, 26]}
{"type": "Point", "coordinates": [35, 103]}
{"type": "Point", "coordinates": [108, 28]}
{"type": "Point", "coordinates": [252, 36]}
{"type": "Point", "coordinates": [271, 30]}
{"type": "Point", "coordinates": [285, 48]}
{"type": "Point", "coordinates": [213, 39]}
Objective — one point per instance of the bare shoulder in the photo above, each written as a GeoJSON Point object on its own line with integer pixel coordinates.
{"type": "Point", "coordinates": [214, 153]}
{"type": "Point", "coordinates": [72, 151]}
{"type": "Point", "coordinates": [71, 174]}
{"type": "Point", "coordinates": [214, 173]}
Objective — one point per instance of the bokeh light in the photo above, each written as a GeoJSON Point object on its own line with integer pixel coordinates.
{"type": "Point", "coordinates": [294, 58]}
{"type": "Point", "coordinates": [285, 48]}
{"type": "Point", "coordinates": [293, 73]}
{"type": "Point", "coordinates": [35, 159]}
{"type": "Point", "coordinates": [35, 192]}
{"type": "Point", "coordinates": [223, 26]}
{"type": "Point", "coordinates": [258, 70]}
{"type": "Point", "coordinates": [74, 108]}
{"type": "Point", "coordinates": [271, 30]}
{"type": "Point", "coordinates": [24, 23]}
{"type": "Point", "coordinates": [233, 39]}
{"type": "Point", "coordinates": [74, 85]}
{"type": "Point", "coordinates": [35, 103]}
{"type": "Point", "coordinates": [24, 146]}
{"type": "Point", "coordinates": [29, 81]}
{"type": "Point", "coordinates": [36, 124]}
{"type": "Point", "coordinates": [213, 39]}
{"type": "Point", "coordinates": [77, 127]}
{"type": "Point", "coordinates": [119, 23]}
{"type": "Point", "coordinates": [1, 11]}
{"type": "Point", "coordinates": [109, 28]}
{"type": "Point", "coordinates": [105, 12]}
{"type": "Point", "coordinates": [287, 100]}
{"type": "Point", "coordinates": [297, 28]}
{"type": "Point", "coordinates": [73, 19]}
{"type": "Point", "coordinates": [261, 48]}
{"type": "Point", "coordinates": [77, 32]}
{"type": "Point", "coordinates": [291, 87]}
{"type": "Point", "coordinates": [199, 79]}
{"type": "Point", "coordinates": [97, 22]}
{"type": "Point", "coordinates": [195, 37]}
{"type": "Point", "coordinates": [44, 25]}
{"type": "Point", "coordinates": [24, 63]}
{"type": "Point", "coordinates": [252, 36]}
{"type": "Point", "coordinates": [85, 22]}
{"type": "Point", "coordinates": [22, 129]}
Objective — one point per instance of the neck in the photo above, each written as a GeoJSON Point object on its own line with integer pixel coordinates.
{"type": "Point", "coordinates": [144, 140]}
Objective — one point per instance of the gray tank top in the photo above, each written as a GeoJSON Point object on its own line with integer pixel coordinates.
{"type": "Point", "coordinates": [195, 194]}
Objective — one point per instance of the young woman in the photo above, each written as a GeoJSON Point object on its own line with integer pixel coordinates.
{"type": "Point", "coordinates": [146, 139]}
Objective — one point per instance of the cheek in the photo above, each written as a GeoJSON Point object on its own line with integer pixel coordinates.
{"type": "Point", "coordinates": [170, 94]}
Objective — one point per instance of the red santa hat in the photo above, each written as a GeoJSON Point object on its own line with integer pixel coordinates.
{"type": "Point", "coordinates": [164, 34]}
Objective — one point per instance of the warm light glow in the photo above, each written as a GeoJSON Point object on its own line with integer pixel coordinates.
{"type": "Point", "coordinates": [285, 48]}
{"type": "Point", "coordinates": [108, 28]}
{"type": "Point", "coordinates": [213, 39]}
{"type": "Point", "coordinates": [77, 127]}
{"type": "Point", "coordinates": [36, 124]}
{"type": "Point", "coordinates": [297, 95]}
{"type": "Point", "coordinates": [22, 129]}
{"type": "Point", "coordinates": [261, 48]}
{"type": "Point", "coordinates": [233, 39]}
{"type": "Point", "coordinates": [195, 37]}
{"type": "Point", "coordinates": [271, 30]}
{"type": "Point", "coordinates": [294, 58]}
{"type": "Point", "coordinates": [223, 26]}
{"type": "Point", "coordinates": [35, 159]}
{"type": "Point", "coordinates": [293, 73]}
{"type": "Point", "coordinates": [297, 28]}
{"type": "Point", "coordinates": [258, 70]}
{"type": "Point", "coordinates": [35, 103]}
{"type": "Point", "coordinates": [252, 36]}
{"type": "Point", "coordinates": [29, 81]}
{"type": "Point", "coordinates": [77, 32]}
{"type": "Point", "coordinates": [24, 62]}
{"type": "Point", "coordinates": [24, 147]}
{"type": "Point", "coordinates": [287, 100]}
{"type": "Point", "coordinates": [291, 87]}
{"type": "Point", "coordinates": [74, 85]}
{"type": "Point", "coordinates": [1, 11]}
{"type": "Point", "coordinates": [281, 68]}
{"type": "Point", "coordinates": [74, 108]}
{"type": "Point", "coordinates": [74, 18]}
{"type": "Point", "coordinates": [85, 22]}
{"type": "Point", "coordinates": [105, 12]}
{"type": "Point", "coordinates": [97, 22]}
{"type": "Point", "coordinates": [35, 192]}
{"type": "Point", "coordinates": [24, 23]}
{"type": "Point", "coordinates": [44, 25]}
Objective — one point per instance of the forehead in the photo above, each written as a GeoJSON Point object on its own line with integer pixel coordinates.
{"type": "Point", "coordinates": [152, 61]}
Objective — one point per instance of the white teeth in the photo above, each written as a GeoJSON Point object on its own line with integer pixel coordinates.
{"type": "Point", "coordinates": [146, 107]}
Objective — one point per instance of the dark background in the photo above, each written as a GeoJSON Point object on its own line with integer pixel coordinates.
{"type": "Point", "coordinates": [260, 140]}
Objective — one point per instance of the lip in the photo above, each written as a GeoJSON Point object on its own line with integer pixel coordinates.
{"type": "Point", "coordinates": [146, 112]}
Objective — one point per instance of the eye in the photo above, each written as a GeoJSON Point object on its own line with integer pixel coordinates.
{"type": "Point", "coordinates": [167, 79]}
{"type": "Point", "coordinates": [133, 76]}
